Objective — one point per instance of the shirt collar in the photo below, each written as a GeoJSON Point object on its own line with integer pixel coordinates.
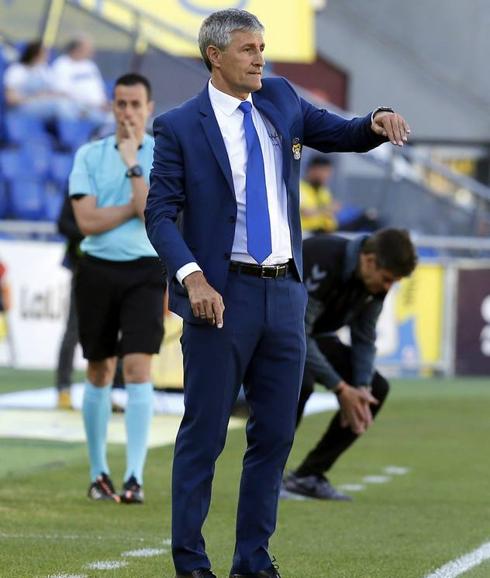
{"type": "Point", "coordinates": [352, 256]}
{"type": "Point", "coordinates": [225, 103]}
{"type": "Point", "coordinates": [144, 144]}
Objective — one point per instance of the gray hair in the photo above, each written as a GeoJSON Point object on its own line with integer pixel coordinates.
{"type": "Point", "coordinates": [217, 28]}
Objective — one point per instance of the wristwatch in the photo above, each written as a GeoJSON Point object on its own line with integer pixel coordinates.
{"type": "Point", "coordinates": [381, 109]}
{"type": "Point", "coordinates": [134, 171]}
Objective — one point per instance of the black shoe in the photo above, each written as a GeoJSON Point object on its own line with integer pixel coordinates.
{"type": "Point", "coordinates": [132, 492]}
{"type": "Point", "coordinates": [103, 489]}
{"type": "Point", "coordinates": [271, 572]}
{"type": "Point", "coordinates": [201, 573]}
{"type": "Point", "coordinates": [314, 487]}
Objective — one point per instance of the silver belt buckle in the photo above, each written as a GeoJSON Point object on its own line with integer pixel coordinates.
{"type": "Point", "coordinates": [270, 271]}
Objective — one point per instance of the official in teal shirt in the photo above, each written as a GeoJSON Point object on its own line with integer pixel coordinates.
{"type": "Point", "coordinates": [119, 285]}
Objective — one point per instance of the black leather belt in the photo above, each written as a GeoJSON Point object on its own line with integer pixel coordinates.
{"type": "Point", "coordinates": [263, 271]}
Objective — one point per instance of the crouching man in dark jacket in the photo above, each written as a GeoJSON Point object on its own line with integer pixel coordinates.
{"type": "Point", "coordinates": [347, 282]}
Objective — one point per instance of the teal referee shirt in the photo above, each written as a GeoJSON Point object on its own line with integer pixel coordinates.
{"type": "Point", "coordinates": [99, 170]}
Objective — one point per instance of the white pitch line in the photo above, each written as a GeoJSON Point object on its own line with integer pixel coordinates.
{"type": "Point", "coordinates": [118, 538]}
{"type": "Point", "coordinates": [463, 564]}
{"type": "Point", "coordinates": [144, 553]}
{"type": "Point", "coordinates": [376, 479]}
{"type": "Point", "coordinates": [396, 470]}
{"type": "Point", "coordinates": [67, 576]}
{"type": "Point", "coordinates": [109, 565]}
{"type": "Point", "coordinates": [352, 487]}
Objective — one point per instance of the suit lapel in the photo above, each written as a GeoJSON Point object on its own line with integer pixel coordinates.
{"type": "Point", "coordinates": [267, 108]}
{"type": "Point", "coordinates": [214, 136]}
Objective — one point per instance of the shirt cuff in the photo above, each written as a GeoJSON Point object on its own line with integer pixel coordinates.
{"type": "Point", "coordinates": [187, 270]}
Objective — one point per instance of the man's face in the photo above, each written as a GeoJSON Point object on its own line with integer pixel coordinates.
{"type": "Point", "coordinates": [375, 279]}
{"type": "Point", "coordinates": [131, 106]}
{"type": "Point", "coordinates": [84, 51]}
{"type": "Point", "coordinates": [319, 175]}
{"type": "Point", "coordinates": [237, 70]}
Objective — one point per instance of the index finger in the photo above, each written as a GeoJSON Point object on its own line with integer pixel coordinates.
{"type": "Point", "coordinates": [218, 308]}
{"type": "Point", "coordinates": [128, 127]}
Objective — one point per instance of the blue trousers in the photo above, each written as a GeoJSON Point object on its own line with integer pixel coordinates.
{"type": "Point", "coordinates": [261, 345]}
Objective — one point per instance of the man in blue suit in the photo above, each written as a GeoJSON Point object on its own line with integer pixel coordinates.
{"type": "Point", "coordinates": [223, 214]}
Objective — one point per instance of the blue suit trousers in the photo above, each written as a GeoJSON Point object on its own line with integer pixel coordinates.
{"type": "Point", "coordinates": [261, 345]}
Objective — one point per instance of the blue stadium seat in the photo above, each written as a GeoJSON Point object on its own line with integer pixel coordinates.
{"type": "Point", "coordinates": [53, 201]}
{"type": "Point", "coordinates": [74, 133]}
{"type": "Point", "coordinates": [347, 214]}
{"type": "Point", "coordinates": [4, 200]}
{"type": "Point", "coordinates": [27, 199]}
{"type": "Point", "coordinates": [3, 135]}
{"type": "Point", "coordinates": [61, 165]}
{"type": "Point", "coordinates": [3, 66]}
{"type": "Point", "coordinates": [11, 164]}
{"type": "Point", "coordinates": [22, 128]}
{"type": "Point", "coordinates": [39, 156]}
{"type": "Point", "coordinates": [31, 160]}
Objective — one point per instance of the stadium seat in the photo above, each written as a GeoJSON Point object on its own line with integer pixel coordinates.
{"type": "Point", "coordinates": [2, 117]}
{"type": "Point", "coordinates": [3, 65]}
{"type": "Point", "coordinates": [4, 200]}
{"type": "Point", "coordinates": [22, 128]}
{"type": "Point", "coordinates": [31, 160]}
{"type": "Point", "coordinates": [73, 133]}
{"type": "Point", "coordinates": [11, 163]}
{"type": "Point", "coordinates": [61, 165]}
{"type": "Point", "coordinates": [347, 214]}
{"type": "Point", "coordinates": [53, 201]}
{"type": "Point", "coordinates": [27, 199]}
{"type": "Point", "coordinates": [39, 156]}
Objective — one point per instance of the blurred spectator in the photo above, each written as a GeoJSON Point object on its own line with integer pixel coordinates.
{"type": "Point", "coordinates": [4, 302]}
{"type": "Point", "coordinates": [320, 213]}
{"type": "Point", "coordinates": [29, 85]}
{"type": "Point", "coordinates": [77, 76]}
{"type": "Point", "coordinates": [4, 292]}
{"type": "Point", "coordinates": [68, 227]}
{"type": "Point", "coordinates": [317, 204]}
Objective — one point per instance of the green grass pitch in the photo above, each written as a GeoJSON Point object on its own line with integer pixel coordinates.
{"type": "Point", "coordinates": [404, 528]}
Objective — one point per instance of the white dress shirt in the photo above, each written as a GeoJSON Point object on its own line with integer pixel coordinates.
{"type": "Point", "coordinates": [230, 122]}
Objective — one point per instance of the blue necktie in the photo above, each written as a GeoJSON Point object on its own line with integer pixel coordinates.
{"type": "Point", "coordinates": [259, 244]}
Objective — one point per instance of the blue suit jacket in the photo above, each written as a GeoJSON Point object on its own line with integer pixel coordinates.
{"type": "Point", "coordinates": [191, 209]}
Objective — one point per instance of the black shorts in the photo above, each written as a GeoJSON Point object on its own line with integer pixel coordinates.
{"type": "Point", "coordinates": [119, 306]}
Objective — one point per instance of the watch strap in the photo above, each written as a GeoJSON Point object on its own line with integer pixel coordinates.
{"type": "Point", "coordinates": [381, 109]}
{"type": "Point", "coordinates": [134, 171]}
